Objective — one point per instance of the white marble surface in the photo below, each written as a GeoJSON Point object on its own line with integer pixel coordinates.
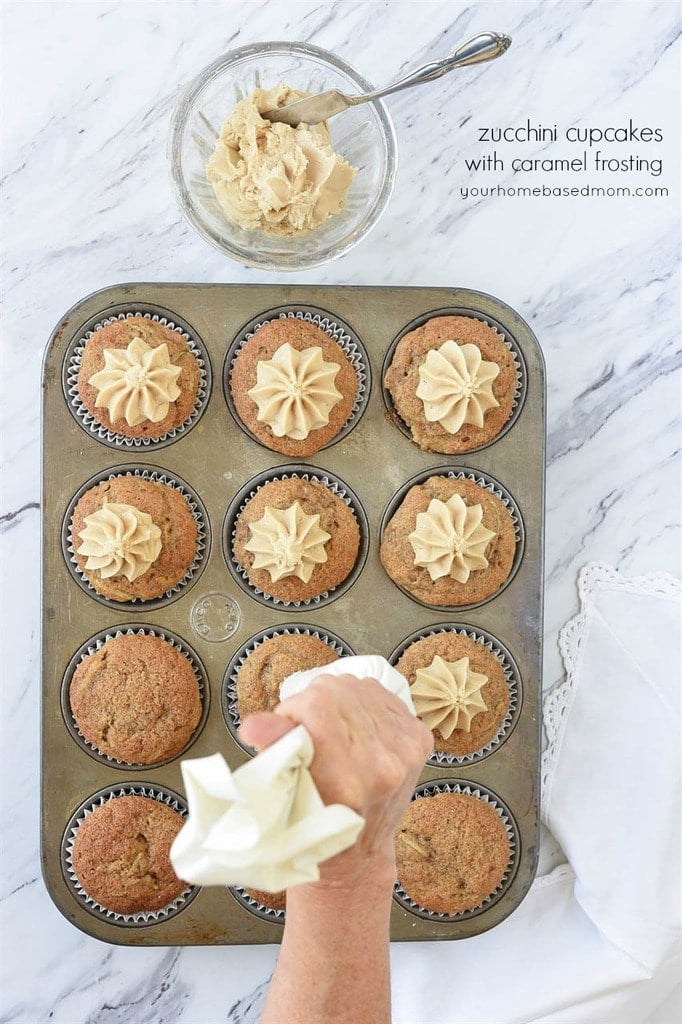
{"type": "Point", "coordinates": [89, 88]}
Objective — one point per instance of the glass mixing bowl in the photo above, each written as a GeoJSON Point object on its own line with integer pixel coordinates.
{"type": "Point", "coordinates": [364, 135]}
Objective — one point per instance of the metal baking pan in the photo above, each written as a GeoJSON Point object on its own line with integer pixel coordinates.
{"type": "Point", "coordinates": [216, 616]}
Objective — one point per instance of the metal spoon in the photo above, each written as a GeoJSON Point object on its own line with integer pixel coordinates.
{"type": "Point", "coordinates": [313, 109]}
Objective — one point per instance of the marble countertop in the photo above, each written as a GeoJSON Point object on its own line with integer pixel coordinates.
{"type": "Point", "coordinates": [89, 88]}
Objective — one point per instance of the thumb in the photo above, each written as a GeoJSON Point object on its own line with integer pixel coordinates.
{"type": "Point", "coordinates": [261, 730]}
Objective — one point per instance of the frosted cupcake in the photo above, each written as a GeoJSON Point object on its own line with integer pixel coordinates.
{"type": "Point", "coordinates": [138, 378]}
{"type": "Point", "coordinates": [296, 539]}
{"type": "Point", "coordinates": [458, 689]}
{"type": "Point", "coordinates": [293, 386]}
{"type": "Point", "coordinates": [451, 542]}
{"type": "Point", "coordinates": [453, 383]}
{"type": "Point", "coordinates": [133, 539]}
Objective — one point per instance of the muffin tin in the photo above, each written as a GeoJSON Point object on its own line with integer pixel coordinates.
{"type": "Point", "coordinates": [216, 615]}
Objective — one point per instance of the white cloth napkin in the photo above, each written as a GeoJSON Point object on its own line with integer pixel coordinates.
{"type": "Point", "coordinates": [264, 826]}
{"type": "Point", "coordinates": [584, 945]}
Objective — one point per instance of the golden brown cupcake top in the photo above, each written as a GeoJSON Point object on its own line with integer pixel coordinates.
{"type": "Point", "coordinates": [136, 699]}
{"type": "Point", "coordinates": [452, 851]}
{"type": "Point", "coordinates": [121, 855]}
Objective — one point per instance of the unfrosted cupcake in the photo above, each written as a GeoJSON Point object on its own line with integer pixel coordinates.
{"type": "Point", "coordinates": [271, 662]}
{"type": "Point", "coordinates": [293, 386]}
{"type": "Point", "coordinates": [136, 699]}
{"type": "Point", "coordinates": [451, 542]}
{"type": "Point", "coordinates": [296, 539]}
{"type": "Point", "coordinates": [121, 855]}
{"type": "Point", "coordinates": [138, 378]}
{"type": "Point", "coordinates": [452, 852]}
{"type": "Point", "coordinates": [133, 538]}
{"type": "Point", "coordinates": [458, 689]}
{"type": "Point", "coordinates": [453, 383]}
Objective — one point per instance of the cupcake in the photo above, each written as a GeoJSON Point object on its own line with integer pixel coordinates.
{"type": "Point", "coordinates": [296, 539]}
{"type": "Point", "coordinates": [293, 386]}
{"type": "Point", "coordinates": [452, 382]}
{"type": "Point", "coordinates": [121, 855]}
{"type": "Point", "coordinates": [451, 542]}
{"type": "Point", "coordinates": [133, 539]}
{"type": "Point", "coordinates": [136, 699]}
{"type": "Point", "coordinates": [271, 662]}
{"type": "Point", "coordinates": [458, 689]}
{"type": "Point", "coordinates": [452, 852]}
{"type": "Point", "coordinates": [138, 378]}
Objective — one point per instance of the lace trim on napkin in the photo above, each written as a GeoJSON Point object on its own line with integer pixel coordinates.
{"type": "Point", "coordinates": [593, 577]}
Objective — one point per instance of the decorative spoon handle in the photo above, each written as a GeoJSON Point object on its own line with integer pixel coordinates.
{"type": "Point", "coordinates": [483, 47]}
{"type": "Point", "coordinates": [313, 109]}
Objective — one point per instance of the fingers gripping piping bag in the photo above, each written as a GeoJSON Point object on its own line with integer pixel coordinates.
{"type": "Point", "coordinates": [265, 825]}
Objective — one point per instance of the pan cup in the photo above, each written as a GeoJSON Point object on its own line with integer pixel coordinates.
{"type": "Point", "coordinates": [72, 364]}
{"type": "Point", "coordinates": [337, 329]}
{"type": "Point", "coordinates": [474, 789]}
{"type": "Point", "coordinates": [199, 514]}
{"type": "Point", "coordinates": [139, 919]}
{"type": "Point", "coordinates": [94, 644]}
{"type": "Point", "coordinates": [311, 474]}
{"type": "Point", "coordinates": [512, 676]}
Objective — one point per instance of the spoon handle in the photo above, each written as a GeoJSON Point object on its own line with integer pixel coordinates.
{"type": "Point", "coordinates": [486, 46]}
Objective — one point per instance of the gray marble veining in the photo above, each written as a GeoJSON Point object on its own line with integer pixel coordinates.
{"type": "Point", "coordinates": [89, 90]}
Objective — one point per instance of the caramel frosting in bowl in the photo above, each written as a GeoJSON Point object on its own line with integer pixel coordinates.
{"type": "Point", "coordinates": [119, 539]}
{"type": "Point", "coordinates": [273, 177]}
{"type": "Point", "coordinates": [295, 391]}
{"type": "Point", "coordinates": [137, 383]}
{"type": "Point", "coordinates": [287, 542]}
{"type": "Point", "coordinates": [450, 539]}
{"type": "Point", "coordinates": [447, 695]}
{"type": "Point", "coordinates": [456, 386]}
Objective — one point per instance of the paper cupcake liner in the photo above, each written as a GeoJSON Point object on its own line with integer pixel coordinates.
{"type": "Point", "coordinates": [313, 475]}
{"type": "Point", "coordinates": [437, 759]}
{"type": "Point", "coordinates": [489, 483]}
{"type": "Point", "coordinates": [428, 789]}
{"type": "Point", "coordinates": [229, 686]}
{"type": "Point", "coordinates": [510, 343]}
{"type": "Point", "coordinates": [94, 644]}
{"type": "Point", "coordinates": [338, 331]}
{"type": "Point", "coordinates": [199, 515]}
{"type": "Point", "coordinates": [110, 438]}
{"type": "Point", "coordinates": [141, 918]}
{"type": "Point", "coordinates": [254, 907]}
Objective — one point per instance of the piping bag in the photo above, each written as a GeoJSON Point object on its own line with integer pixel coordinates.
{"type": "Point", "coordinates": [265, 826]}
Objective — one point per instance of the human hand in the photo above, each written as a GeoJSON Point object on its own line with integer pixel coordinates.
{"type": "Point", "coordinates": [369, 751]}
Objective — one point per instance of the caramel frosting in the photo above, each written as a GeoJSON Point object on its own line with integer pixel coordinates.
{"type": "Point", "coordinates": [447, 695]}
{"type": "Point", "coordinates": [119, 539]}
{"type": "Point", "coordinates": [456, 386]}
{"type": "Point", "coordinates": [287, 542]}
{"type": "Point", "coordinates": [450, 539]}
{"type": "Point", "coordinates": [138, 382]}
{"type": "Point", "coordinates": [295, 391]}
{"type": "Point", "coordinates": [273, 177]}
